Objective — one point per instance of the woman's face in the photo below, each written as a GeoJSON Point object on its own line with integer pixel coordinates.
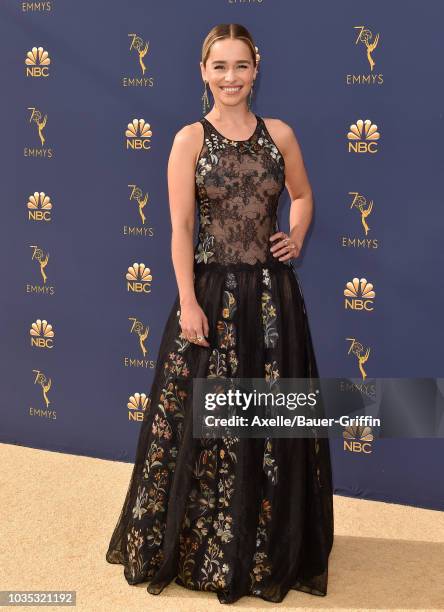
{"type": "Point", "coordinates": [230, 71]}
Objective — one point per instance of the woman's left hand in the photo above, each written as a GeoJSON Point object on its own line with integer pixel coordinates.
{"type": "Point", "coordinates": [286, 247]}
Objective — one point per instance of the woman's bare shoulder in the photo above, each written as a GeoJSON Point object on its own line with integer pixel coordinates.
{"type": "Point", "coordinates": [280, 131]}
{"type": "Point", "coordinates": [189, 139]}
{"type": "Point", "coordinates": [190, 134]}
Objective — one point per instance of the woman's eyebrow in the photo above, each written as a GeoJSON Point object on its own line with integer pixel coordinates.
{"type": "Point", "coordinates": [244, 61]}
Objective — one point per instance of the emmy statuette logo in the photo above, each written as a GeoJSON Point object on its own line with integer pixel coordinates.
{"type": "Point", "coordinates": [45, 385]}
{"type": "Point", "coordinates": [361, 354]}
{"type": "Point", "coordinates": [37, 118]}
{"type": "Point", "coordinates": [138, 48]}
{"type": "Point", "coordinates": [40, 122]}
{"type": "Point", "coordinates": [369, 44]}
{"type": "Point", "coordinates": [41, 259]}
{"type": "Point", "coordinates": [140, 200]}
{"type": "Point", "coordinates": [365, 37]}
{"type": "Point", "coordinates": [364, 208]}
{"type": "Point", "coordinates": [141, 332]}
{"type": "Point", "coordinates": [141, 48]}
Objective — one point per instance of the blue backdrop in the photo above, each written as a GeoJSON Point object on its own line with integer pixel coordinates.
{"type": "Point", "coordinates": [74, 187]}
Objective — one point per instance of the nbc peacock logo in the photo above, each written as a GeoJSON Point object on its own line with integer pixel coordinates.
{"type": "Point", "coordinates": [138, 135]}
{"type": "Point", "coordinates": [137, 405]}
{"type": "Point", "coordinates": [39, 207]}
{"type": "Point", "coordinates": [357, 439]}
{"type": "Point", "coordinates": [360, 353]}
{"type": "Point", "coordinates": [138, 278]}
{"type": "Point", "coordinates": [37, 63]}
{"type": "Point", "coordinates": [363, 137]}
{"type": "Point", "coordinates": [359, 294]}
{"type": "Point", "coordinates": [42, 334]}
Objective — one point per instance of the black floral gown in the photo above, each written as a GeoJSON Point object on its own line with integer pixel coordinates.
{"type": "Point", "coordinates": [232, 515]}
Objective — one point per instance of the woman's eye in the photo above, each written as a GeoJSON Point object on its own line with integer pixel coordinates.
{"type": "Point", "coordinates": [240, 66]}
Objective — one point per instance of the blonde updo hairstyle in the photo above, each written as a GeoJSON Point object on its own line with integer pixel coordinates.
{"type": "Point", "coordinates": [233, 31]}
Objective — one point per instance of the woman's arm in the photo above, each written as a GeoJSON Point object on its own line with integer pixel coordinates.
{"type": "Point", "coordinates": [182, 209]}
{"type": "Point", "coordinates": [181, 192]}
{"type": "Point", "coordinates": [297, 183]}
{"type": "Point", "coordinates": [298, 186]}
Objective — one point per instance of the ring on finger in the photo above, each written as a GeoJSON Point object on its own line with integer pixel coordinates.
{"type": "Point", "coordinates": [197, 338]}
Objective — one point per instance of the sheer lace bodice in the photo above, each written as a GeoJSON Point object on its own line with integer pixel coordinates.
{"type": "Point", "coordinates": [238, 184]}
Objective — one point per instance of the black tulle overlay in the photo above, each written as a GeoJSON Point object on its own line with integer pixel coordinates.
{"type": "Point", "coordinates": [236, 516]}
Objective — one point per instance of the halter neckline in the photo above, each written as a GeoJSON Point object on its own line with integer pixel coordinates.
{"type": "Point", "coordinates": [258, 119]}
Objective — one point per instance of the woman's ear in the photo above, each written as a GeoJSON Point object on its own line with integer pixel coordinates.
{"type": "Point", "coordinates": [202, 71]}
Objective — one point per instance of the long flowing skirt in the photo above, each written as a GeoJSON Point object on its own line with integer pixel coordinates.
{"type": "Point", "coordinates": [238, 516]}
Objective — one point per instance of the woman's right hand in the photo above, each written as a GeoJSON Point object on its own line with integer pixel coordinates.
{"type": "Point", "coordinates": [194, 322]}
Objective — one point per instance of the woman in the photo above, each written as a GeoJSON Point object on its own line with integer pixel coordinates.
{"type": "Point", "coordinates": [232, 515]}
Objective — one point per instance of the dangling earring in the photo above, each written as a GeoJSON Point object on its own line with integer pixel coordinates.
{"type": "Point", "coordinates": [205, 101]}
{"type": "Point", "coordinates": [249, 99]}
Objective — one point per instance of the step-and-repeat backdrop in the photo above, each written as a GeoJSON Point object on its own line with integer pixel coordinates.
{"type": "Point", "coordinates": [92, 96]}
